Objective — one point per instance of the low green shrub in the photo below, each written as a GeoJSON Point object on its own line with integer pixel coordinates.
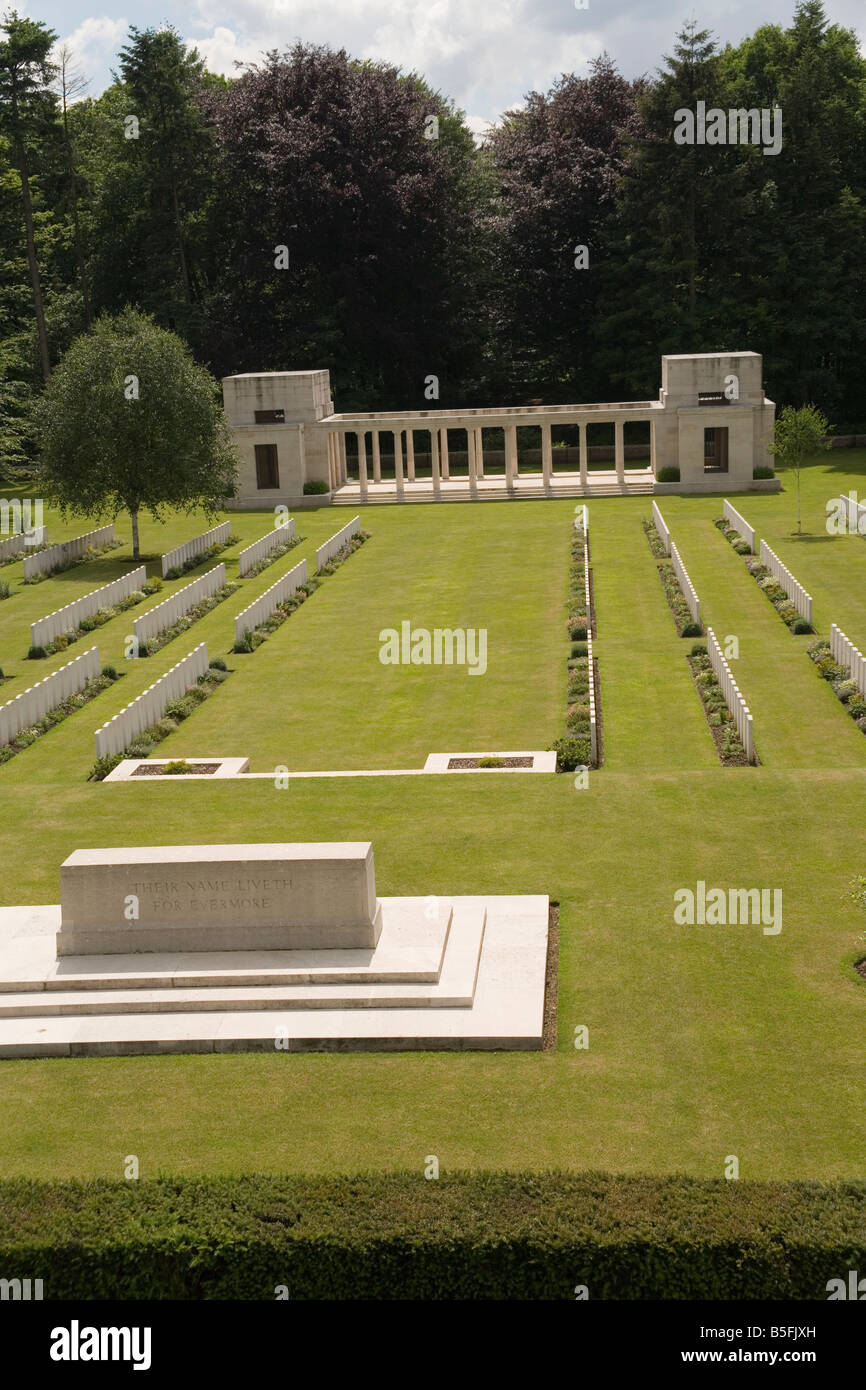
{"type": "Point", "coordinates": [104, 765]}
{"type": "Point", "coordinates": [491, 762]}
{"type": "Point", "coordinates": [315, 487]}
{"type": "Point", "coordinates": [176, 768]}
{"type": "Point", "coordinates": [110, 673]}
{"type": "Point", "coordinates": [762, 471]}
{"type": "Point", "coordinates": [691, 629]}
{"type": "Point", "coordinates": [218, 664]}
{"type": "Point", "coordinates": [5, 589]}
{"type": "Point", "coordinates": [698, 649]}
{"type": "Point", "coordinates": [669, 474]}
{"type": "Point", "coordinates": [800, 625]}
{"type": "Point", "coordinates": [571, 753]}
{"type": "Point", "coordinates": [35, 653]}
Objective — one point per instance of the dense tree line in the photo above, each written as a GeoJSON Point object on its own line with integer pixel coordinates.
{"type": "Point", "coordinates": [318, 211]}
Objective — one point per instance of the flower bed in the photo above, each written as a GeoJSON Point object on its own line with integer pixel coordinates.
{"type": "Point", "coordinates": [60, 712]}
{"type": "Point", "coordinates": [685, 623]}
{"type": "Point", "coordinates": [143, 745]}
{"type": "Point", "coordinates": [719, 717]}
{"type": "Point", "coordinates": [276, 554]}
{"type": "Point", "coordinates": [97, 619]}
{"type": "Point", "coordinates": [185, 622]}
{"type": "Point", "coordinates": [771, 587]}
{"type": "Point", "coordinates": [93, 552]}
{"type": "Point", "coordinates": [575, 749]}
{"type": "Point", "coordinates": [847, 691]}
{"type": "Point", "coordinates": [178, 571]}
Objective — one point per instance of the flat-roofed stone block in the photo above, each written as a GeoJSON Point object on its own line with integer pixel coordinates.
{"type": "Point", "coordinates": [218, 898]}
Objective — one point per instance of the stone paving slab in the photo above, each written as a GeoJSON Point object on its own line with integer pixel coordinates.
{"type": "Point", "coordinates": [507, 1009]}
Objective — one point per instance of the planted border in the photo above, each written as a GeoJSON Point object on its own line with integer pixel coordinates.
{"type": "Point", "coordinates": [55, 716]}
{"type": "Point", "coordinates": [839, 676]}
{"type": "Point", "coordinates": [684, 622]}
{"type": "Point", "coordinates": [581, 746]}
{"type": "Point", "coordinates": [194, 561]}
{"type": "Point", "coordinates": [148, 646]}
{"type": "Point", "coordinates": [254, 637]}
{"type": "Point", "coordinates": [719, 718]}
{"type": "Point", "coordinates": [95, 620]}
{"type": "Point", "coordinates": [768, 585]}
{"type": "Point", "coordinates": [272, 556]}
{"type": "Point", "coordinates": [175, 712]}
{"type": "Point", "coordinates": [93, 552]}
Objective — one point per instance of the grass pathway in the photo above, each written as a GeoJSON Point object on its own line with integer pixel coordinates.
{"type": "Point", "coordinates": [640, 654]}
{"type": "Point", "coordinates": [799, 723]}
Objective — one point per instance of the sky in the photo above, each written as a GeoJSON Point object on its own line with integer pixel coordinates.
{"type": "Point", "coordinates": [485, 54]}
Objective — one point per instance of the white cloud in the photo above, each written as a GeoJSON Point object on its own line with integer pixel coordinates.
{"type": "Point", "coordinates": [93, 46]}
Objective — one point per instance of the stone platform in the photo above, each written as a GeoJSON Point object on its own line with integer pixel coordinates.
{"type": "Point", "coordinates": [444, 973]}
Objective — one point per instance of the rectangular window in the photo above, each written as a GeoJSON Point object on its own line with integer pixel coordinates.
{"type": "Point", "coordinates": [267, 471]}
{"type": "Point", "coordinates": [715, 449]}
{"type": "Point", "coordinates": [270, 417]}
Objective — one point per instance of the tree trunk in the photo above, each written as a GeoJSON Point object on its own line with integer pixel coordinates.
{"type": "Point", "coordinates": [38, 309]}
{"type": "Point", "coordinates": [76, 223]}
{"type": "Point", "coordinates": [133, 513]}
{"type": "Point", "coordinates": [184, 271]}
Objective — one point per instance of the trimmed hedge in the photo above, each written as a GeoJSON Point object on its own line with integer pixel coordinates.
{"type": "Point", "coordinates": [483, 1235]}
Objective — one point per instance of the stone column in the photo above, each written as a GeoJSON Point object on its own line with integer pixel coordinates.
{"type": "Point", "coordinates": [410, 454]}
{"type": "Point", "coordinates": [398, 463]}
{"type": "Point", "coordinates": [470, 454]}
{"type": "Point", "coordinates": [377, 461]}
{"type": "Point", "coordinates": [434, 462]}
{"type": "Point", "coordinates": [332, 462]}
{"type": "Point", "coordinates": [479, 453]}
{"type": "Point", "coordinates": [581, 437]}
{"type": "Point", "coordinates": [619, 452]}
{"type": "Point", "coordinates": [361, 436]}
{"type": "Point", "coordinates": [546, 456]}
{"type": "Point", "coordinates": [510, 455]}
{"type": "Point", "coordinates": [443, 452]}
{"type": "Point", "coordinates": [344, 467]}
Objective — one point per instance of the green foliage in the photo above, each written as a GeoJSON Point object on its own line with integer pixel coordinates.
{"type": "Point", "coordinates": [762, 470]}
{"type": "Point", "coordinates": [670, 473]}
{"type": "Point", "coordinates": [176, 768]}
{"type": "Point", "coordinates": [103, 451]}
{"type": "Point", "coordinates": [491, 762]}
{"type": "Point", "coordinates": [315, 487]}
{"type": "Point", "coordinates": [571, 753]}
{"type": "Point", "coordinates": [110, 673]}
{"type": "Point", "coordinates": [386, 1236]}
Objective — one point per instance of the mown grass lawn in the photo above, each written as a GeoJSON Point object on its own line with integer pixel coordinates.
{"type": "Point", "coordinates": [704, 1041]}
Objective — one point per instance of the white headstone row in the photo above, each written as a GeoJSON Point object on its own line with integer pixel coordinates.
{"type": "Point", "coordinates": [662, 529]}
{"type": "Point", "coordinates": [56, 555]}
{"type": "Point", "coordinates": [593, 718]}
{"type": "Point", "coordinates": [795, 591]}
{"type": "Point", "coordinates": [262, 607]}
{"type": "Point", "coordinates": [166, 614]}
{"type": "Point", "coordinates": [174, 559]}
{"type": "Point", "coordinates": [150, 706]}
{"type": "Point", "coordinates": [844, 652]}
{"type": "Point", "coordinates": [21, 541]}
{"type": "Point", "coordinates": [733, 699]}
{"type": "Point", "coordinates": [686, 584]}
{"type": "Point", "coordinates": [30, 706]}
{"type": "Point", "coordinates": [68, 618]}
{"type": "Point", "coordinates": [252, 554]}
{"type": "Point", "coordinates": [740, 524]}
{"type": "Point", "coordinates": [855, 514]}
{"type": "Point", "coordinates": [333, 546]}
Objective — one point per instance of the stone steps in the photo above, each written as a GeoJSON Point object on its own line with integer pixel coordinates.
{"type": "Point", "coordinates": [106, 990]}
{"type": "Point", "coordinates": [638, 482]}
